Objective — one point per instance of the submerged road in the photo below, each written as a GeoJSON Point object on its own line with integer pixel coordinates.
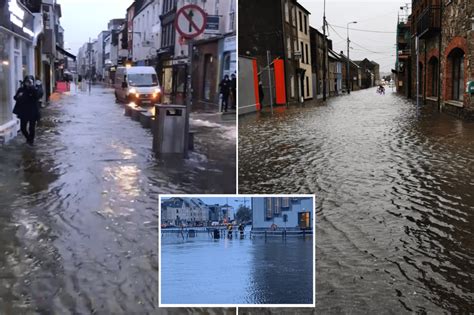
{"type": "Point", "coordinates": [394, 193]}
{"type": "Point", "coordinates": [79, 210]}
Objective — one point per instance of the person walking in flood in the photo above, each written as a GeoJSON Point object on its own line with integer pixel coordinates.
{"type": "Point", "coordinates": [233, 90]}
{"type": "Point", "coordinates": [241, 229]}
{"type": "Point", "coordinates": [225, 90]}
{"type": "Point", "coordinates": [229, 231]}
{"type": "Point", "coordinates": [27, 108]}
{"type": "Point", "coordinates": [261, 95]}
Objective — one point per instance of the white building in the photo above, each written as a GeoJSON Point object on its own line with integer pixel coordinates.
{"type": "Point", "coordinates": [17, 34]}
{"type": "Point", "coordinates": [304, 49]}
{"type": "Point", "coordinates": [187, 211]}
{"type": "Point", "coordinates": [146, 32]}
{"type": "Point", "coordinates": [284, 212]}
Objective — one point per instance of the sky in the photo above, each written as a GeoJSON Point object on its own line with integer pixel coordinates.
{"type": "Point", "coordinates": [374, 15]}
{"type": "Point", "coordinates": [82, 19]}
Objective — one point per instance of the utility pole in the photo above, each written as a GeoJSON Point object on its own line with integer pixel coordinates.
{"type": "Point", "coordinates": [347, 70]}
{"type": "Point", "coordinates": [270, 79]}
{"type": "Point", "coordinates": [325, 52]}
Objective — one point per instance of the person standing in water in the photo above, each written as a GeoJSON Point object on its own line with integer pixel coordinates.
{"type": "Point", "coordinates": [27, 108]}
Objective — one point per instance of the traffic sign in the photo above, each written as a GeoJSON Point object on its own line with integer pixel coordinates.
{"type": "Point", "coordinates": [190, 21]}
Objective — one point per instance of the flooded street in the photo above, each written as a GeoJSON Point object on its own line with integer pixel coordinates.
{"type": "Point", "coordinates": [394, 195]}
{"type": "Point", "coordinates": [79, 210]}
{"type": "Point", "coordinates": [202, 270]}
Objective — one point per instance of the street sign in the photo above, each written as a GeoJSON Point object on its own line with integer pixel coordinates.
{"type": "Point", "coordinates": [190, 21]}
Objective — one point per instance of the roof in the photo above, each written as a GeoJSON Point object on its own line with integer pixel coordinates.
{"type": "Point", "coordinates": [345, 59]}
{"type": "Point", "coordinates": [333, 54]}
{"type": "Point", "coordinates": [302, 8]}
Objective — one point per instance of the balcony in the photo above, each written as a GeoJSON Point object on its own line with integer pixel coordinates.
{"type": "Point", "coordinates": [429, 22]}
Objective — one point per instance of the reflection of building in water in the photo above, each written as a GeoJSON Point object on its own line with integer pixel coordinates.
{"type": "Point", "coordinates": [292, 213]}
{"type": "Point", "coordinates": [190, 211]}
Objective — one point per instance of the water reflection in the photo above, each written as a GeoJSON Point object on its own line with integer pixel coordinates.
{"type": "Point", "coordinates": [236, 271]}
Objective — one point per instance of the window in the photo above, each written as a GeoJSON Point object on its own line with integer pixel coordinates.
{"type": "Point", "coordinates": [302, 52]}
{"type": "Point", "coordinates": [433, 75]}
{"type": "Point", "coordinates": [307, 86]}
{"type": "Point", "coordinates": [305, 25]}
{"type": "Point", "coordinates": [306, 52]}
{"type": "Point", "coordinates": [292, 86]}
{"type": "Point", "coordinates": [5, 78]}
{"type": "Point", "coordinates": [301, 21]}
{"type": "Point", "coordinates": [208, 60]}
{"type": "Point", "coordinates": [287, 12]}
{"type": "Point", "coordinates": [457, 70]}
{"type": "Point", "coordinates": [288, 43]}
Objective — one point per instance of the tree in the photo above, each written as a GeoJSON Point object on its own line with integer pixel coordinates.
{"type": "Point", "coordinates": [244, 214]}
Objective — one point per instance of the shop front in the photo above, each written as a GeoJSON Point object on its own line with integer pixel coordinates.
{"type": "Point", "coordinates": [16, 60]}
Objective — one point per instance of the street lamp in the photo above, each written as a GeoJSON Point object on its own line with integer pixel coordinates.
{"type": "Point", "coordinates": [347, 70]}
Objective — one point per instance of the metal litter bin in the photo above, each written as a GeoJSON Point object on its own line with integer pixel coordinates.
{"type": "Point", "coordinates": [170, 129]}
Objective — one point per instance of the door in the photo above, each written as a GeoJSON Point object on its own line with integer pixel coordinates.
{"type": "Point", "coordinates": [304, 220]}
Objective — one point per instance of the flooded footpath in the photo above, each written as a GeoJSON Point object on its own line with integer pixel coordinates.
{"type": "Point", "coordinates": [394, 194]}
{"type": "Point", "coordinates": [79, 210]}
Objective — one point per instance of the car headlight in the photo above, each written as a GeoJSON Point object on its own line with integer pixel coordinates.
{"type": "Point", "coordinates": [157, 90]}
{"type": "Point", "coordinates": [132, 91]}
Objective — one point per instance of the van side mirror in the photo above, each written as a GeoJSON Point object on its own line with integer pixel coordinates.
{"type": "Point", "coordinates": [124, 85]}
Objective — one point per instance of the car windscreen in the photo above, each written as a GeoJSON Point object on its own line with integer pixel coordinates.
{"type": "Point", "coordinates": [142, 79]}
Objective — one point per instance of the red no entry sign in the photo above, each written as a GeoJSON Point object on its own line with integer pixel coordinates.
{"type": "Point", "coordinates": [190, 21]}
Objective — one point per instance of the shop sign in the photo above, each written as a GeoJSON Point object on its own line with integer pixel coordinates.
{"type": "Point", "coordinates": [17, 16]}
{"type": "Point", "coordinates": [229, 43]}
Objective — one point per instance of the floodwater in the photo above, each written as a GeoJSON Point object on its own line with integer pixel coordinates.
{"type": "Point", "coordinates": [202, 270]}
{"type": "Point", "coordinates": [395, 198]}
{"type": "Point", "coordinates": [79, 210]}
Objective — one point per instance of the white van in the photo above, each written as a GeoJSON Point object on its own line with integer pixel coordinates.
{"type": "Point", "coordinates": [137, 84]}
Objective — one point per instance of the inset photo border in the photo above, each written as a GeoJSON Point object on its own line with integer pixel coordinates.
{"type": "Point", "coordinates": [237, 250]}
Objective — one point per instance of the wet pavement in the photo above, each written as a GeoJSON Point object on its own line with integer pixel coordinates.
{"type": "Point", "coordinates": [78, 211]}
{"type": "Point", "coordinates": [201, 270]}
{"type": "Point", "coordinates": [394, 194]}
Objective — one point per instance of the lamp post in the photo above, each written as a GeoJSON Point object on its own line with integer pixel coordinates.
{"type": "Point", "coordinates": [347, 70]}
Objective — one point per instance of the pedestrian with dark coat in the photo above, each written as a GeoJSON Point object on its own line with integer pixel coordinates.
{"type": "Point", "coordinates": [260, 94]}
{"type": "Point", "coordinates": [225, 90]}
{"type": "Point", "coordinates": [27, 108]}
{"type": "Point", "coordinates": [233, 90]}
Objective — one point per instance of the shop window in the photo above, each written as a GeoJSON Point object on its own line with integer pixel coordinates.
{"type": "Point", "coordinates": [208, 61]}
{"type": "Point", "coordinates": [457, 74]}
{"type": "Point", "coordinates": [5, 112]}
{"type": "Point", "coordinates": [304, 220]}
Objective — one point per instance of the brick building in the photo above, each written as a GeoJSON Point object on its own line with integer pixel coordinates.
{"type": "Point", "coordinates": [269, 25]}
{"type": "Point", "coordinates": [444, 30]}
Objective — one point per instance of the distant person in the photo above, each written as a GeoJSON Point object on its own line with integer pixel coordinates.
{"type": "Point", "coordinates": [40, 91]}
{"type": "Point", "coordinates": [229, 231]}
{"type": "Point", "coordinates": [260, 94]}
{"type": "Point", "coordinates": [241, 229]}
{"type": "Point", "coordinates": [233, 90]}
{"type": "Point", "coordinates": [224, 91]}
{"type": "Point", "coordinates": [27, 109]}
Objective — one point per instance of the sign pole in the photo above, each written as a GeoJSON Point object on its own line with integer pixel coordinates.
{"type": "Point", "coordinates": [189, 98]}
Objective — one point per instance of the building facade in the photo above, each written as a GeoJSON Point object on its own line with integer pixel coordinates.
{"type": "Point", "coordinates": [305, 78]}
{"type": "Point", "coordinates": [284, 212]}
{"type": "Point", "coordinates": [17, 60]}
{"type": "Point", "coordinates": [184, 211]}
{"type": "Point", "coordinates": [441, 54]}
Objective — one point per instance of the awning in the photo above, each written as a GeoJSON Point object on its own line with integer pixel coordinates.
{"type": "Point", "coordinates": [66, 53]}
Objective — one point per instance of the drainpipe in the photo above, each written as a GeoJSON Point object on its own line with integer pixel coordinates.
{"type": "Point", "coordinates": [439, 56]}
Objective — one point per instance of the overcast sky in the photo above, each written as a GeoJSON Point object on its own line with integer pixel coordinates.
{"type": "Point", "coordinates": [82, 19]}
{"type": "Point", "coordinates": [375, 15]}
